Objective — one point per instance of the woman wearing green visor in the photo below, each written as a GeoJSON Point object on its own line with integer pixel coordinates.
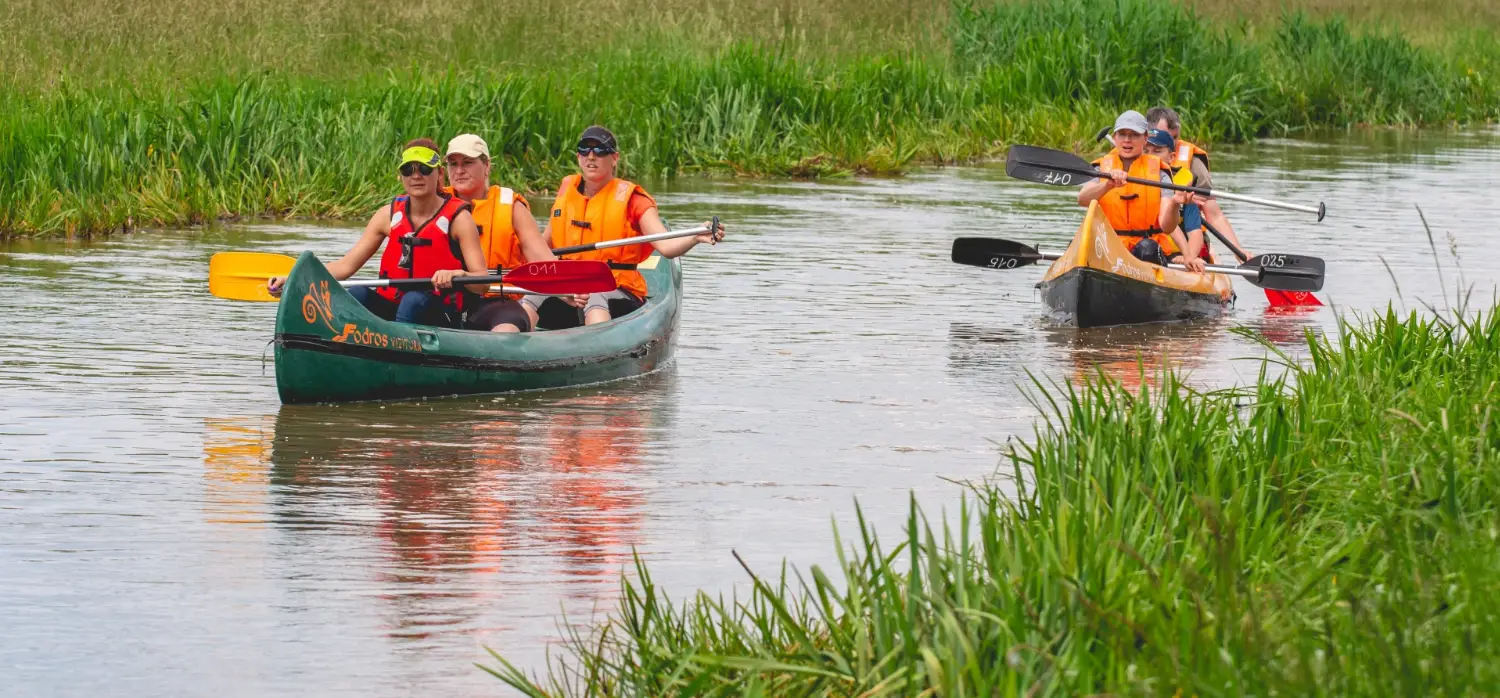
{"type": "Point", "coordinates": [427, 234]}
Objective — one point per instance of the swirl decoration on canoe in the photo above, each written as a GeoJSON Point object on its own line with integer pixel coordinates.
{"type": "Point", "coordinates": [317, 304]}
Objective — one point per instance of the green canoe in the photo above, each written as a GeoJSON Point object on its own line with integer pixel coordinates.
{"type": "Point", "coordinates": [330, 349]}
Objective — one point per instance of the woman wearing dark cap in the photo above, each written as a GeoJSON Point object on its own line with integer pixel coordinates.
{"type": "Point", "coordinates": [596, 206]}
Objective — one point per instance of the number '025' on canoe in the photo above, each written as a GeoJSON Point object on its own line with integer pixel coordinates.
{"type": "Point", "coordinates": [329, 348]}
{"type": "Point", "coordinates": [1097, 282]}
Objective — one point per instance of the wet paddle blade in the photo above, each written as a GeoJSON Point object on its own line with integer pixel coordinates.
{"type": "Point", "coordinates": [1046, 166]}
{"type": "Point", "coordinates": [1287, 299]}
{"type": "Point", "coordinates": [1287, 272]}
{"type": "Point", "coordinates": [242, 276]}
{"type": "Point", "coordinates": [993, 253]}
{"type": "Point", "coordinates": [563, 276]}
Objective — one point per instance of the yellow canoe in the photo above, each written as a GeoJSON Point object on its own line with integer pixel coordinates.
{"type": "Point", "coordinates": [1097, 282]}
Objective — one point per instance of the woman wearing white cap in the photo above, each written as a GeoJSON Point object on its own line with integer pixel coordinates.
{"type": "Point", "coordinates": [508, 234]}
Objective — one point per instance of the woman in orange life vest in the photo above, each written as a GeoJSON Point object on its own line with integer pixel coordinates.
{"type": "Point", "coordinates": [595, 206]}
{"type": "Point", "coordinates": [507, 233]}
{"type": "Point", "coordinates": [1138, 213]}
{"type": "Point", "coordinates": [427, 234]}
{"type": "Point", "coordinates": [1187, 154]}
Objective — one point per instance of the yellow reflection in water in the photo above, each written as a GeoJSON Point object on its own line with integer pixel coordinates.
{"type": "Point", "coordinates": [236, 455]}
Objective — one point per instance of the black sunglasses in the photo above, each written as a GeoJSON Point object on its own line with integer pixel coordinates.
{"type": "Point", "coordinates": [408, 168]}
{"type": "Point", "coordinates": [599, 150]}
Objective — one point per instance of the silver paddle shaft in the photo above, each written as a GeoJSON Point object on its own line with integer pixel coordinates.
{"type": "Point", "coordinates": [1214, 268]}
{"type": "Point", "coordinates": [638, 240]}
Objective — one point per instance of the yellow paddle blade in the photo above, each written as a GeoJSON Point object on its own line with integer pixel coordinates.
{"type": "Point", "coordinates": [242, 276]}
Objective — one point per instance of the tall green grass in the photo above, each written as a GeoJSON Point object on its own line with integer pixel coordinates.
{"type": "Point", "coordinates": [1331, 530]}
{"type": "Point", "coordinates": [197, 130]}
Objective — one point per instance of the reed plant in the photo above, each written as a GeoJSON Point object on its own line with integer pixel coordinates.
{"type": "Point", "coordinates": [182, 112]}
{"type": "Point", "coordinates": [1330, 530]}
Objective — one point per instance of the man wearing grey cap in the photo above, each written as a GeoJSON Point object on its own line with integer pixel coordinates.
{"type": "Point", "coordinates": [1137, 212]}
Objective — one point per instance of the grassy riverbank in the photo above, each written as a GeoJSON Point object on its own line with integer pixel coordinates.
{"type": "Point", "coordinates": [1329, 533]}
{"type": "Point", "coordinates": [164, 114]}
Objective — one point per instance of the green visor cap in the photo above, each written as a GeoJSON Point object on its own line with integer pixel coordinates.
{"type": "Point", "coordinates": [420, 155]}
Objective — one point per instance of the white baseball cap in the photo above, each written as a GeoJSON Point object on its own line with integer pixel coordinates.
{"type": "Point", "coordinates": [470, 145]}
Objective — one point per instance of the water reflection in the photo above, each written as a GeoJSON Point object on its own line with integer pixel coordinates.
{"type": "Point", "coordinates": [1135, 355]}
{"type": "Point", "coordinates": [441, 500]}
{"type": "Point", "coordinates": [235, 453]}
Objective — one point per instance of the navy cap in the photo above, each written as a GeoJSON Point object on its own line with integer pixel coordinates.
{"type": "Point", "coordinates": [1161, 138]}
{"type": "Point", "coordinates": [599, 135]}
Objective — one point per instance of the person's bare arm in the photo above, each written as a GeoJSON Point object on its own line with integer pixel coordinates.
{"type": "Point", "coordinates": [533, 246]}
{"type": "Point", "coordinates": [376, 231]}
{"type": "Point", "coordinates": [1096, 188]}
{"type": "Point", "coordinates": [652, 224]}
{"type": "Point", "coordinates": [1170, 214]}
{"type": "Point", "coordinates": [467, 233]}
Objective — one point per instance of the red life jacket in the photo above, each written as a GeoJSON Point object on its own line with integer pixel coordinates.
{"type": "Point", "coordinates": [417, 253]}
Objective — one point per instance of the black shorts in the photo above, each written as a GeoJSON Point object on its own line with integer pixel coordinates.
{"type": "Point", "coordinates": [490, 312]}
{"type": "Point", "coordinates": [555, 314]}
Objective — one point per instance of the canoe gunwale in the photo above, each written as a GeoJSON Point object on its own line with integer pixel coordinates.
{"type": "Point", "coordinates": [307, 342]}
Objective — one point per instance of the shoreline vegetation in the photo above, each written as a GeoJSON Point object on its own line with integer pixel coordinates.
{"type": "Point", "coordinates": [180, 113]}
{"type": "Point", "coordinates": [1330, 530]}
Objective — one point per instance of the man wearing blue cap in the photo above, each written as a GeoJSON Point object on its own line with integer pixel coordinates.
{"type": "Point", "coordinates": [1138, 212]}
{"type": "Point", "coordinates": [1186, 231]}
{"type": "Point", "coordinates": [1167, 119]}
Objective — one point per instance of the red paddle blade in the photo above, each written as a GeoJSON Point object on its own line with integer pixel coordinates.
{"type": "Point", "coordinates": [563, 276]}
{"type": "Point", "coordinates": [1280, 299]}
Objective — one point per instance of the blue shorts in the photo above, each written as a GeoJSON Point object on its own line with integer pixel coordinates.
{"type": "Point", "coordinates": [1192, 218]}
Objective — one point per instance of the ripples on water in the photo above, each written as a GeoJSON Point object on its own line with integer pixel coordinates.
{"type": "Point", "coordinates": [167, 528]}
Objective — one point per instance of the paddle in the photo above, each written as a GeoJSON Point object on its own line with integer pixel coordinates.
{"type": "Point", "coordinates": [1277, 298]}
{"type": "Point", "coordinates": [636, 240]}
{"type": "Point", "coordinates": [243, 275]}
{"type": "Point", "coordinates": [1047, 166]}
{"type": "Point", "coordinates": [1275, 271]}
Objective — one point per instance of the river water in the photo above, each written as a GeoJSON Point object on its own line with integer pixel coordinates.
{"type": "Point", "coordinates": [167, 528]}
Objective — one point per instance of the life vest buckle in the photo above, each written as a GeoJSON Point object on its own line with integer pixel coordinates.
{"type": "Point", "coordinates": [409, 242]}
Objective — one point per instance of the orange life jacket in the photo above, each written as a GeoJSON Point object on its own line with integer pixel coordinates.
{"type": "Point", "coordinates": [1133, 210]}
{"type": "Point", "coordinates": [581, 220]}
{"type": "Point", "coordinates": [497, 231]}
{"type": "Point", "coordinates": [414, 253]}
{"type": "Point", "coordinates": [1186, 152]}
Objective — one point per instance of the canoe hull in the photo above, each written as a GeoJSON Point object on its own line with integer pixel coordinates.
{"type": "Point", "coordinates": [1097, 283]}
{"type": "Point", "coordinates": [329, 348]}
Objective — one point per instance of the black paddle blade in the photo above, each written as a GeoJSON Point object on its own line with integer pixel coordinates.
{"type": "Point", "coordinates": [992, 253]}
{"type": "Point", "coordinates": [1287, 272]}
{"type": "Point", "coordinates": [1045, 166]}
